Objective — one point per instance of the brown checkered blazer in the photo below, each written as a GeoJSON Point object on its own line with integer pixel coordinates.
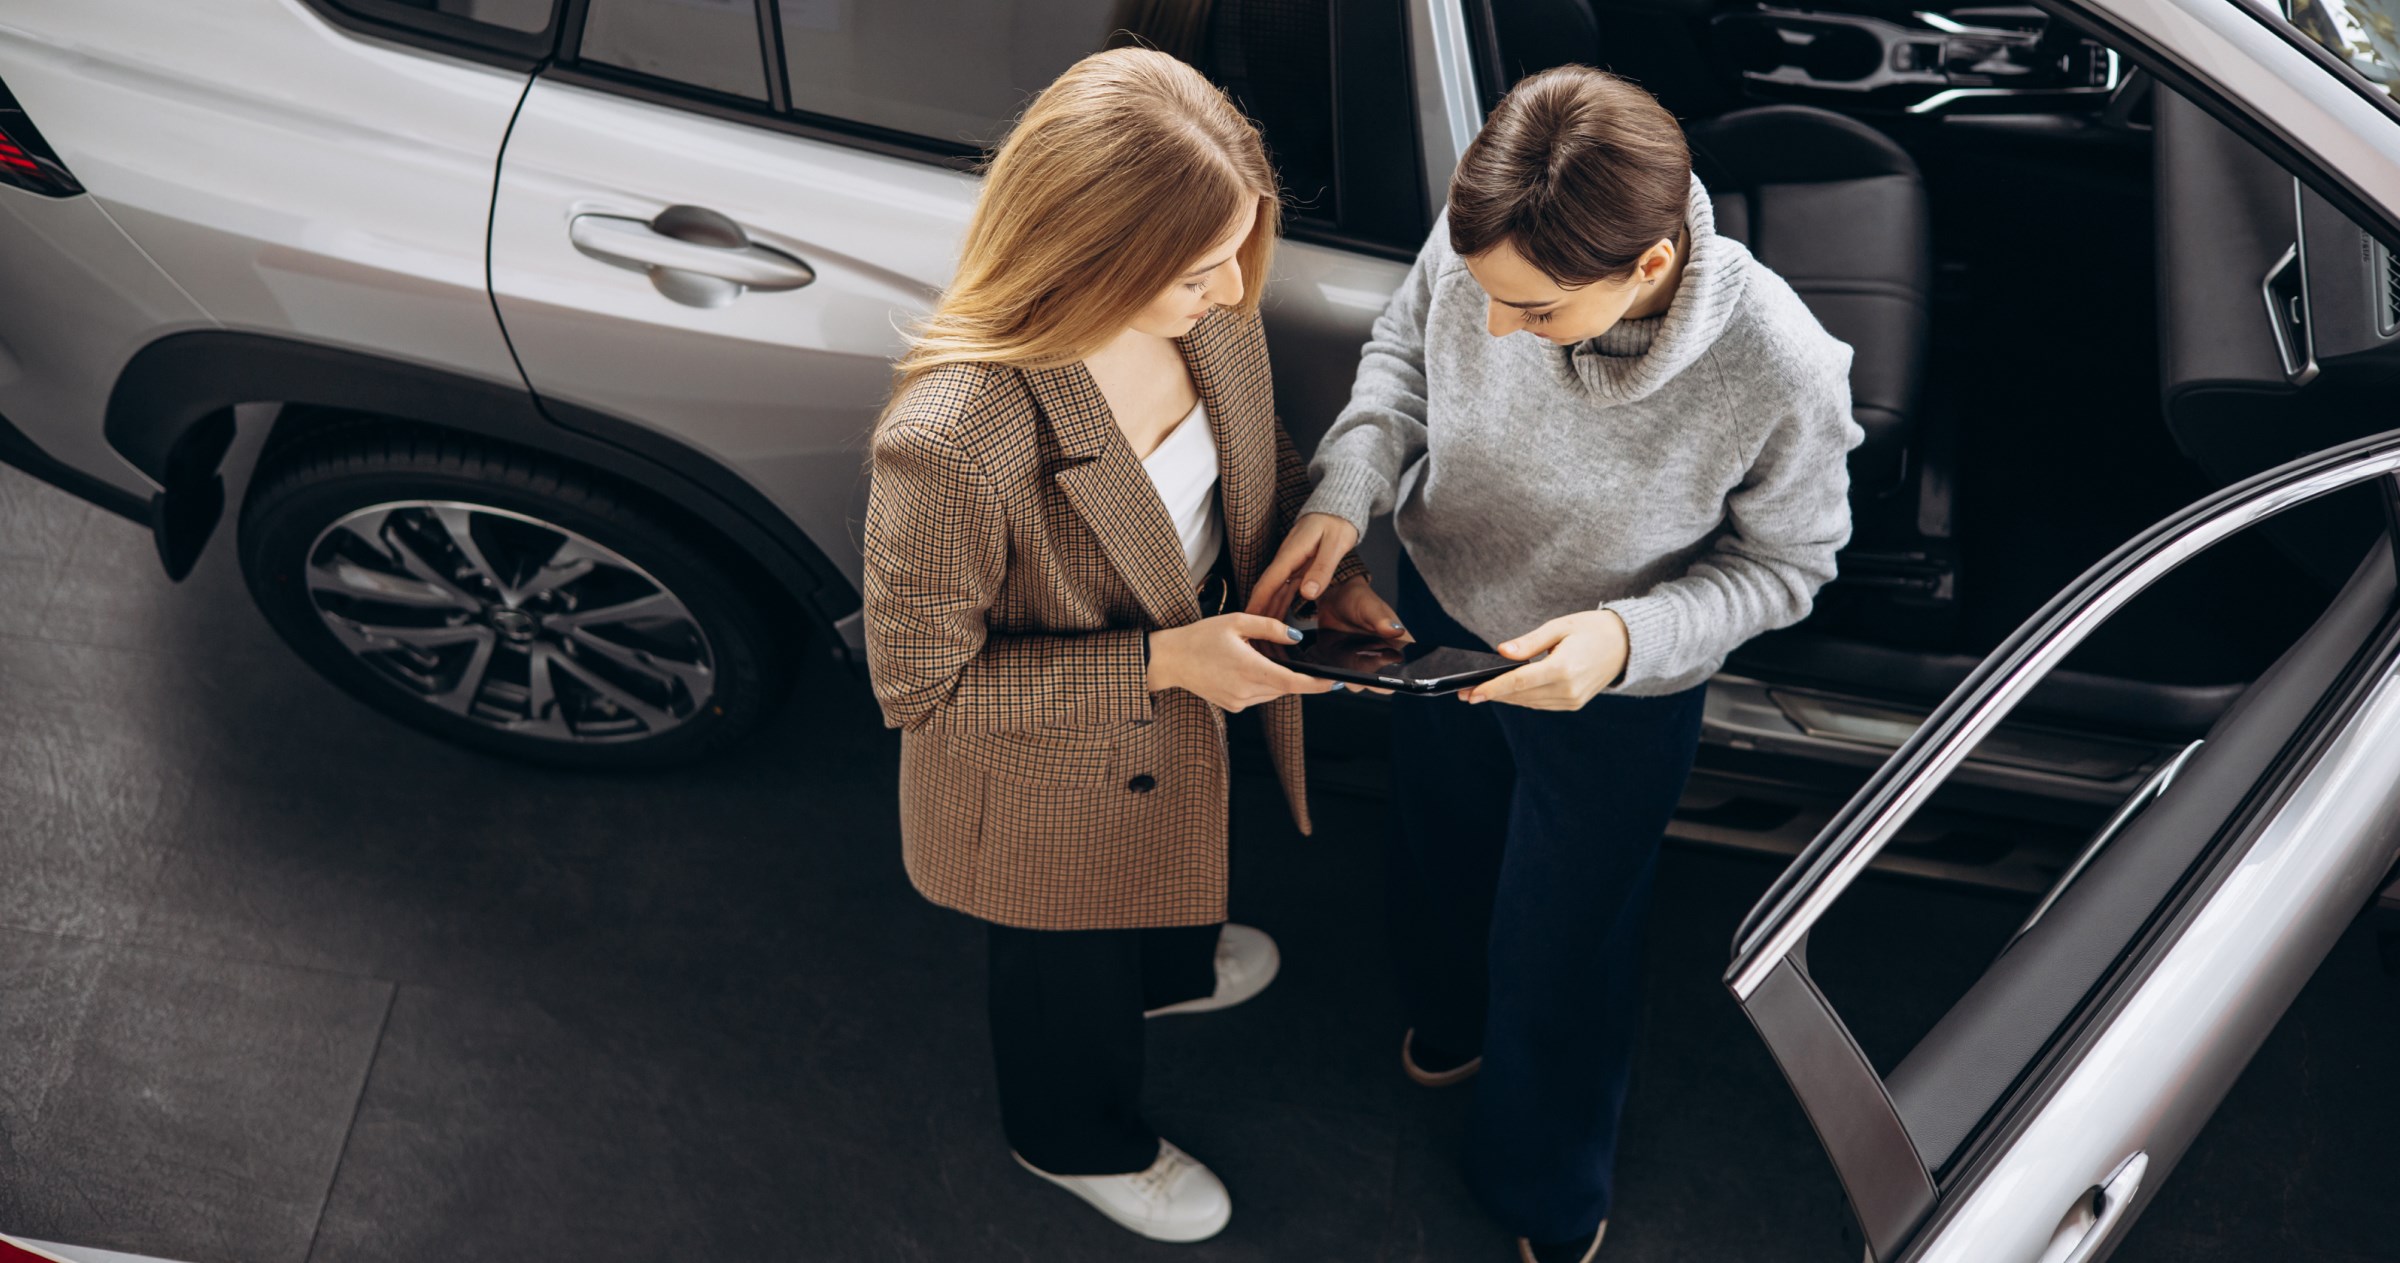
{"type": "Point", "coordinates": [1016, 558]}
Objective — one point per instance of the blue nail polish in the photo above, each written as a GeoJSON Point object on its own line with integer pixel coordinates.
{"type": "Point", "coordinates": [1293, 632]}
{"type": "Point", "coordinates": [1338, 686]}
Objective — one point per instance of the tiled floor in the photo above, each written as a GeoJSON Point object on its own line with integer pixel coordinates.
{"type": "Point", "coordinates": [280, 980]}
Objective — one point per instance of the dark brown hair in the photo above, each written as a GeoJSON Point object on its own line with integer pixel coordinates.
{"type": "Point", "coordinates": [1578, 169]}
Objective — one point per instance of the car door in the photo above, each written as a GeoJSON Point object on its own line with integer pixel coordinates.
{"type": "Point", "coordinates": [714, 217]}
{"type": "Point", "coordinates": [2042, 1110]}
{"type": "Point", "coordinates": [2037, 1116]}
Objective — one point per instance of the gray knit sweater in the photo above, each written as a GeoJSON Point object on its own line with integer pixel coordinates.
{"type": "Point", "coordinates": [1685, 470]}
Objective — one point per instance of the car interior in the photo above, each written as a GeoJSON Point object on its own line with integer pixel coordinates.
{"type": "Point", "coordinates": [2078, 303]}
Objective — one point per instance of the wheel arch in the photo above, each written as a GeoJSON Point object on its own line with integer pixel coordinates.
{"type": "Point", "coordinates": [171, 416]}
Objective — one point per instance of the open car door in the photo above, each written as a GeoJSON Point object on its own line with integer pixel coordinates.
{"type": "Point", "coordinates": [2038, 1115]}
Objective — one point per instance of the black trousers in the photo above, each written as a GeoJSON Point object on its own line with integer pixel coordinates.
{"type": "Point", "coordinates": [1520, 879]}
{"type": "Point", "coordinates": [1067, 1032]}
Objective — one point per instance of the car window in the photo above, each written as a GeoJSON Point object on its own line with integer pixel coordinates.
{"type": "Point", "coordinates": [513, 15]}
{"type": "Point", "coordinates": [955, 75]}
{"type": "Point", "coordinates": [2364, 34]}
{"type": "Point", "coordinates": [708, 44]}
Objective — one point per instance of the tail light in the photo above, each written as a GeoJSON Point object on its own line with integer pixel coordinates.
{"type": "Point", "coordinates": [26, 160]}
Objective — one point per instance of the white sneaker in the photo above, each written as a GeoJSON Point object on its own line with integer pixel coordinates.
{"type": "Point", "coordinates": [1177, 1199]}
{"type": "Point", "coordinates": [1247, 960]}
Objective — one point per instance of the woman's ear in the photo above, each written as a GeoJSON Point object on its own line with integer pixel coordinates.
{"type": "Point", "coordinates": [1655, 261]}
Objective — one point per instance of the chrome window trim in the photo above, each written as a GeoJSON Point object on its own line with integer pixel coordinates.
{"type": "Point", "coordinates": [1779, 927]}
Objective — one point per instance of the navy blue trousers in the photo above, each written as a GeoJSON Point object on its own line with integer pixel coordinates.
{"type": "Point", "coordinates": [1519, 882]}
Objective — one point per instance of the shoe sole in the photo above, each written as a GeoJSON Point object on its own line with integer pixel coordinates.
{"type": "Point", "coordinates": [1218, 1004]}
{"type": "Point", "coordinates": [1432, 1079]}
{"type": "Point", "coordinates": [1525, 1247]}
{"type": "Point", "coordinates": [1173, 1236]}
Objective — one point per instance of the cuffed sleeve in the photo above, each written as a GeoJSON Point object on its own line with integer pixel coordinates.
{"type": "Point", "coordinates": [936, 551]}
{"type": "Point", "coordinates": [1382, 429]}
{"type": "Point", "coordinates": [1291, 494]}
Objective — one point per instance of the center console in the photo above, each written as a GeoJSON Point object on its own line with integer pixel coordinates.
{"type": "Point", "coordinates": [2000, 59]}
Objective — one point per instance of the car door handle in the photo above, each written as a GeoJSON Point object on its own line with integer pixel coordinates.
{"type": "Point", "coordinates": [2096, 1214]}
{"type": "Point", "coordinates": [694, 255]}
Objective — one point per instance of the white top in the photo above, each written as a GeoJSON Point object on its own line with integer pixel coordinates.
{"type": "Point", "coordinates": [1184, 470]}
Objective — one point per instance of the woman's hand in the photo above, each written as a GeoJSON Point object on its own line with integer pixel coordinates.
{"type": "Point", "coordinates": [1587, 654]}
{"type": "Point", "coordinates": [1215, 659]}
{"type": "Point", "coordinates": [1304, 566]}
{"type": "Point", "coordinates": [1353, 606]}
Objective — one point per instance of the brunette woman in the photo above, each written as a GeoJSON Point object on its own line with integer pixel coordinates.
{"type": "Point", "coordinates": [1077, 481]}
{"type": "Point", "coordinates": [1611, 437]}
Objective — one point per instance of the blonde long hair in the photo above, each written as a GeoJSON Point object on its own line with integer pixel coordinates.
{"type": "Point", "coordinates": [1118, 176]}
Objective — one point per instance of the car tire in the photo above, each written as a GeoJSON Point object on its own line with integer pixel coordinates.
{"type": "Point", "coordinates": [585, 627]}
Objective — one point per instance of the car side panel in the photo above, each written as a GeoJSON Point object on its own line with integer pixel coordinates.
{"type": "Point", "coordinates": [291, 177]}
{"type": "Point", "coordinates": [81, 300]}
{"type": "Point", "coordinates": [784, 387]}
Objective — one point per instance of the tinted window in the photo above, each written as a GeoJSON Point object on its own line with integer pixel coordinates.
{"type": "Point", "coordinates": [711, 44]}
{"type": "Point", "coordinates": [513, 15]}
{"type": "Point", "coordinates": [515, 30]}
{"type": "Point", "coordinates": [957, 74]}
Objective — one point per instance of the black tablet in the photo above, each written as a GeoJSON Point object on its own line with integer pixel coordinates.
{"type": "Point", "coordinates": [1404, 668]}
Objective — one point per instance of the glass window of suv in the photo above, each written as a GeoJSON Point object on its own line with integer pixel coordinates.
{"type": "Point", "coordinates": [708, 44]}
{"type": "Point", "coordinates": [947, 79]}
{"type": "Point", "coordinates": [513, 32]}
{"type": "Point", "coordinates": [514, 15]}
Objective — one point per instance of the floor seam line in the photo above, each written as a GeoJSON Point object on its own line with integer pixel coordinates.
{"type": "Point", "coordinates": [358, 1105]}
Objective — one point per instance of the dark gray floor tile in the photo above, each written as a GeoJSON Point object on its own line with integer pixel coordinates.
{"type": "Point", "coordinates": [26, 586]}
{"type": "Point", "coordinates": [37, 520]}
{"type": "Point", "coordinates": [1432, 1217]}
{"type": "Point", "coordinates": [47, 987]}
{"type": "Point", "coordinates": [431, 865]}
{"type": "Point", "coordinates": [88, 810]}
{"type": "Point", "coordinates": [178, 1108]}
{"type": "Point", "coordinates": [112, 592]}
{"type": "Point", "coordinates": [507, 1129]}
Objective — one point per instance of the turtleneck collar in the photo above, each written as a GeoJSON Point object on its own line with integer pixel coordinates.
{"type": "Point", "coordinates": [1636, 357]}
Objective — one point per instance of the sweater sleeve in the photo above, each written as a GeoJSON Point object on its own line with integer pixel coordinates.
{"type": "Point", "coordinates": [1382, 429]}
{"type": "Point", "coordinates": [1291, 492]}
{"type": "Point", "coordinates": [1783, 524]}
{"type": "Point", "coordinates": [936, 550]}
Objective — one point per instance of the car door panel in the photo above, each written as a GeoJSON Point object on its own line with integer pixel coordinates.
{"type": "Point", "coordinates": [2033, 1117]}
{"type": "Point", "coordinates": [783, 386]}
{"type": "Point", "coordinates": [780, 386]}
{"type": "Point", "coordinates": [1966, 1064]}
{"type": "Point", "coordinates": [2150, 1077]}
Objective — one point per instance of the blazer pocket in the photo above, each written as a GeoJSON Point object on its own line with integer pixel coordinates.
{"type": "Point", "coordinates": [1044, 756]}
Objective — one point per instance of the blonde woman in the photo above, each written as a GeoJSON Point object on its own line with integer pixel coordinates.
{"type": "Point", "coordinates": [1078, 479]}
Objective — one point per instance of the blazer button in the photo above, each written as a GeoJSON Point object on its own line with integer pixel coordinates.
{"type": "Point", "coordinates": [1142, 784]}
